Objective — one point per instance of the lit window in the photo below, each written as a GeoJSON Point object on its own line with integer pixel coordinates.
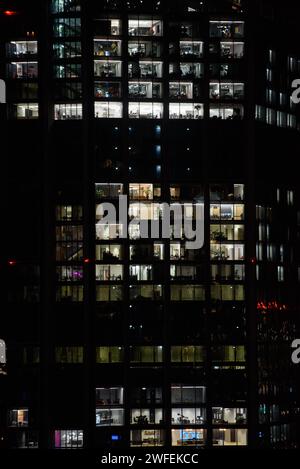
{"type": "Point", "coordinates": [109, 354]}
{"type": "Point", "coordinates": [107, 47]}
{"type": "Point", "coordinates": [109, 272]}
{"type": "Point", "coordinates": [108, 27]}
{"type": "Point", "coordinates": [108, 191]}
{"type": "Point", "coordinates": [67, 111]}
{"type": "Point", "coordinates": [26, 111]}
{"type": "Point", "coordinates": [146, 354]}
{"type": "Point", "coordinates": [145, 110]}
{"type": "Point", "coordinates": [107, 68]}
{"type": "Point", "coordinates": [2, 352]}
{"type": "Point", "coordinates": [22, 48]}
{"type": "Point", "coordinates": [188, 437]}
{"type": "Point", "coordinates": [280, 273]}
{"type": "Point", "coordinates": [66, 27]}
{"type": "Point", "coordinates": [230, 437]}
{"type": "Point", "coordinates": [152, 416]}
{"type": "Point", "coordinates": [143, 89]}
{"type": "Point", "coordinates": [108, 110]}
{"type": "Point", "coordinates": [146, 438]}
{"type": "Point", "coordinates": [18, 418]}
{"type": "Point", "coordinates": [68, 439]}
{"type": "Point", "coordinates": [144, 49]}
{"type": "Point", "coordinates": [70, 355]}
{"type": "Point", "coordinates": [191, 49]}
{"type": "Point", "coordinates": [188, 354]}
{"type": "Point", "coordinates": [226, 112]}
{"type": "Point", "coordinates": [185, 111]}
{"type": "Point", "coordinates": [227, 29]}
{"type": "Point", "coordinates": [22, 70]}
{"type": "Point", "coordinates": [232, 50]}
{"type": "Point", "coordinates": [109, 293]}
{"type": "Point", "coordinates": [145, 69]}
{"type": "Point", "coordinates": [186, 70]}
{"type": "Point", "coordinates": [145, 27]}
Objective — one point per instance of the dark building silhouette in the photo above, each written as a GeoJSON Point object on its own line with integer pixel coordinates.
{"type": "Point", "coordinates": [120, 343]}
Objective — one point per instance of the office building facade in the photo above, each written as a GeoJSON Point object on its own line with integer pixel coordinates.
{"type": "Point", "coordinates": [115, 340]}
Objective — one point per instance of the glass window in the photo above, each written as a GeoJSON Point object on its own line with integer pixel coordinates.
{"type": "Point", "coordinates": [187, 293]}
{"type": "Point", "coordinates": [229, 416]}
{"type": "Point", "coordinates": [145, 69]}
{"type": "Point", "coordinates": [108, 110]}
{"type": "Point", "coordinates": [188, 437]}
{"type": "Point", "coordinates": [181, 90]}
{"type": "Point", "coordinates": [109, 417]}
{"type": "Point", "coordinates": [2, 352]}
{"type": "Point", "coordinates": [69, 273]}
{"type": "Point", "coordinates": [232, 50]}
{"type": "Point", "coordinates": [146, 396]}
{"type": "Point", "coordinates": [107, 68]}
{"type": "Point", "coordinates": [146, 252]}
{"type": "Point", "coordinates": [145, 27]}
{"type": "Point", "coordinates": [67, 49]}
{"type": "Point", "coordinates": [185, 111]}
{"type": "Point", "coordinates": [186, 70]}
{"type": "Point", "coordinates": [28, 70]}
{"type": "Point", "coordinates": [70, 70]}
{"type": "Point", "coordinates": [227, 292]}
{"type": "Point", "coordinates": [107, 47]}
{"type": "Point", "coordinates": [18, 417]}
{"type": "Point", "coordinates": [108, 190]}
{"type": "Point", "coordinates": [144, 49]}
{"type": "Point", "coordinates": [67, 111]}
{"type": "Point", "coordinates": [140, 273]}
{"type": "Point", "coordinates": [144, 191]}
{"type": "Point", "coordinates": [220, 233]}
{"type": "Point", "coordinates": [145, 90]}
{"type": "Point", "coordinates": [65, 354]}
{"type": "Point", "coordinates": [230, 437]}
{"type": "Point", "coordinates": [109, 355]}
{"type": "Point", "coordinates": [109, 293]}
{"type": "Point", "coordinates": [108, 27]}
{"type": "Point", "coordinates": [187, 353]}
{"type": "Point", "coordinates": [107, 232]}
{"type": "Point", "coordinates": [146, 354]}
{"type": "Point", "coordinates": [146, 292]}
{"type": "Point", "coordinates": [109, 396]}
{"type": "Point", "coordinates": [145, 438]}
{"type": "Point", "coordinates": [21, 48]}
{"type": "Point", "coordinates": [67, 90]}
{"type": "Point", "coordinates": [109, 252]}
{"type": "Point", "coordinates": [107, 89]}
{"type": "Point", "coordinates": [228, 353]}
{"type": "Point", "coordinates": [191, 49]}
{"type": "Point", "coordinates": [146, 416]}
{"type": "Point", "coordinates": [145, 110]}
{"type": "Point", "coordinates": [226, 112]}
{"type": "Point", "coordinates": [226, 91]}
{"type": "Point", "coordinates": [184, 394]}
{"type": "Point", "coordinates": [69, 213]}
{"type": "Point", "coordinates": [227, 252]}
{"type": "Point", "coordinates": [188, 416]}
{"type": "Point", "coordinates": [68, 439]}
{"type": "Point", "coordinates": [26, 111]}
{"type": "Point", "coordinates": [66, 27]}
{"type": "Point", "coordinates": [109, 272]}
{"type": "Point", "coordinates": [227, 29]}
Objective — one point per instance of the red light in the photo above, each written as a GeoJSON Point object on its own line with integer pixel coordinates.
{"type": "Point", "coordinates": [86, 260]}
{"type": "Point", "coordinates": [10, 13]}
{"type": "Point", "coordinates": [12, 262]}
{"type": "Point", "coordinates": [253, 260]}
